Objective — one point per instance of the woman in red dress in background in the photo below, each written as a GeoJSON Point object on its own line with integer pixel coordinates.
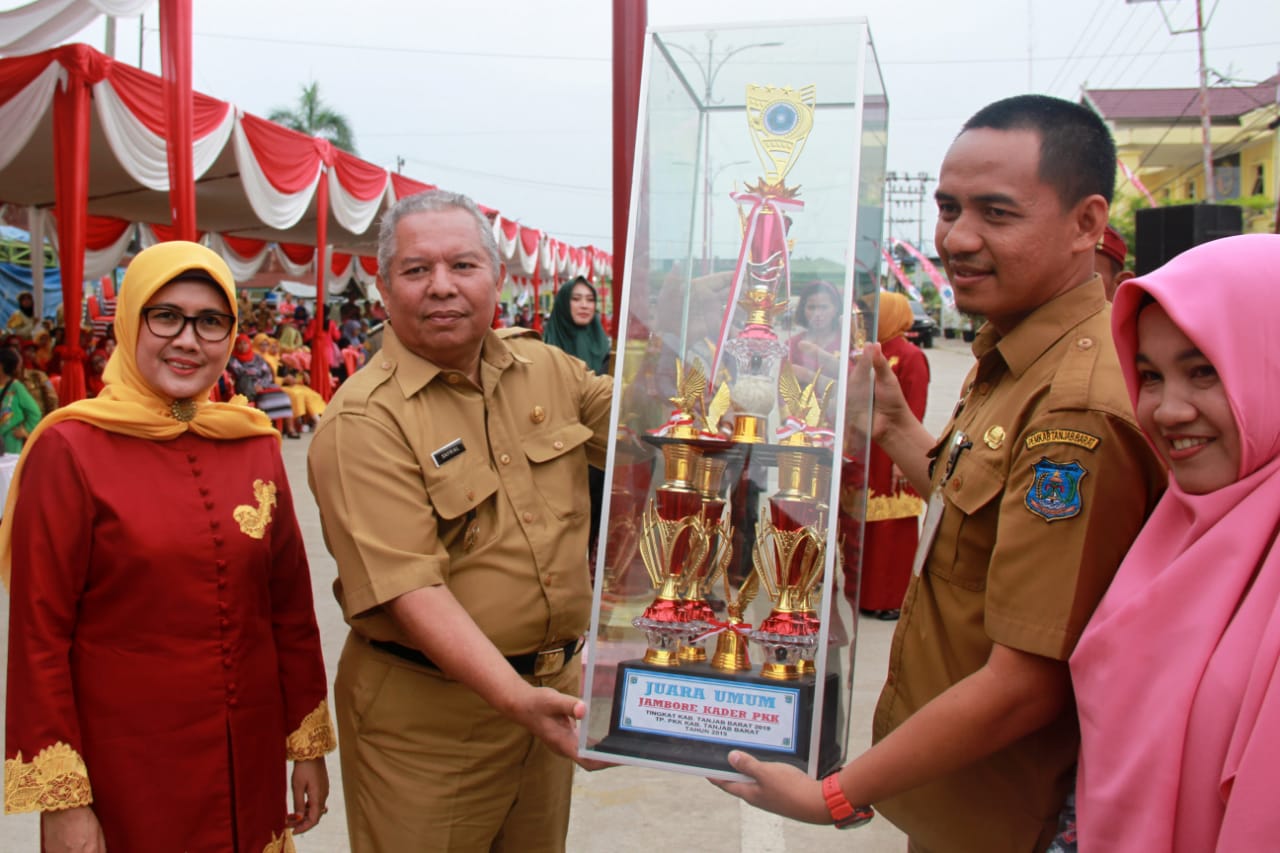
{"type": "Point", "coordinates": [164, 659]}
{"type": "Point", "coordinates": [322, 336]}
{"type": "Point", "coordinates": [893, 507]}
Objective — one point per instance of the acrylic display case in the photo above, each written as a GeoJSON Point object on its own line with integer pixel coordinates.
{"type": "Point", "coordinates": [732, 520]}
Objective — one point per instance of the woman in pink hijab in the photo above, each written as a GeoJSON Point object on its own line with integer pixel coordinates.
{"type": "Point", "coordinates": [1176, 676]}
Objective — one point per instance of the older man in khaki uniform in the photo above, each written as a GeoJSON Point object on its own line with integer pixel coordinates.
{"type": "Point", "coordinates": [452, 485]}
{"type": "Point", "coordinates": [1040, 482]}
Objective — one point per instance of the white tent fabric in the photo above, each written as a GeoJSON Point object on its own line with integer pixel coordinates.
{"type": "Point", "coordinates": [242, 269]}
{"type": "Point", "coordinates": [143, 153]}
{"type": "Point", "coordinates": [276, 209]}
{"type": "Point", "coordinates": [44, 23]}
{"type": "Point", "coordinates": [352, 213]}
{"type": "Point", "coordinates": [20, 115]}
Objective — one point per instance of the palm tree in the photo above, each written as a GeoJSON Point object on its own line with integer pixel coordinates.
{"type": "Point", "coordinates": [314, 118]}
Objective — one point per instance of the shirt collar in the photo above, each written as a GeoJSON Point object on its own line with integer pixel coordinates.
{"type": "Point", "coordinates": [1042, 328]}
{"type": "Point", "coordinates": [413, 372]}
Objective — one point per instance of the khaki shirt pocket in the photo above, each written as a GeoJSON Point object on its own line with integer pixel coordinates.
{"type": "Point", "coordinates": [967, 534]}
{"type": "Point", "coordinates": [460, 491]}
{"type": "Point", "coordinates": [558, 465]}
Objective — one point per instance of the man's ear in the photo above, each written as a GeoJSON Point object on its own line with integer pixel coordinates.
{"type": "Point", "coordinates": [1089, 219]}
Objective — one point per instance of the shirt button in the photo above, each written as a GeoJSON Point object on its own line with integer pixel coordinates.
{"type": "Point", "coordinates": [471, 495]}
{"type": "Point", "coordinates": [222, 583]}
{"type": "Point", "coordinates": [204, 492]}
{"type": "Point", "coordinates": [957, 482]}
{"type": "Point", "coordinates": [546, 580]}
{"type": "Point", "coordinates": [558, 445]}
{"type": "Point", "coordinates": [231, 688]}
{"type": "Point", "coordinates": [226, 662]}
{"type": "Point", "coordinates": [1085, 343]}
{"type": "Point", "coordinates": [386, 365]}
{"type": "Point", "coordinates": [232, 702]}
{"type": "Point", "coordinates": [528, 517]}
{"type": "Point", "coordinates": [222, 607]}
{"type": "Point", "coordinates": [217, 541]}
{"type": "Point", "coordinates": [226, 648]}
{"type": "Point", "coordinates": [453, 379]}
{"type": "Point", "coordinates": [214, 524]}
{"type": "Point", "coordinates": [223, 622]}
{"type": "Point", "coordinates": [505, 459]}
{"type": "Point", "coordinates": [983, 388]}
{"type": "Point", "coordinates": [191, 457]}
{"type": "Point", "coordinates": [196, 471]}
{"type": "Point", "coordinates": [221, 564]}
{"type": "Point", "coordinates": [538, 415]}
{"type": "Point", "coordinates": [208, 504]}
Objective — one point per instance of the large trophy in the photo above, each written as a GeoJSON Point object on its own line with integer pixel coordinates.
{"type": "Point", "coordinates": [717, 624]}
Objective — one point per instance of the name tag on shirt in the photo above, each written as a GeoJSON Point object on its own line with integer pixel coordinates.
{"type": "Point", "coordinates": [449, 451]}
{"type": "Point", "coordinates": [929, 531]}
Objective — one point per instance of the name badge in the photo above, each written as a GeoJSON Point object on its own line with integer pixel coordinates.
{"type": "Point", "coordinates": [930, 532]}
{"type": "Point", "coordinates": [449, 451]}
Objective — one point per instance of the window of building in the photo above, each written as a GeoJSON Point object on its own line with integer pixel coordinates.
{"type": "Point", "coordinates": [1191, 189]}
{"type": "Point", "coordinates": [1259, 180]}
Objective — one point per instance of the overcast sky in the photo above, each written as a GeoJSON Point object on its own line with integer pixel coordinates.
{"type": "Point", "coordinates": [510, 100]}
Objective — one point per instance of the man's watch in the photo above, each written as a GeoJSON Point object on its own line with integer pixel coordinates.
{"type": "Point", "coordinates": [845, 814]}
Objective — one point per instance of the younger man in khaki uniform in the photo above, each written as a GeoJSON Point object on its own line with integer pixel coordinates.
{"type": "Point", "coordinates": [1040, 482]}
{"type": "Point", "coordinates": [452, 484]}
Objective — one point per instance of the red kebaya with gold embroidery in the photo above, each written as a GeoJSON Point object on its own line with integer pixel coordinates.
{"type": "Point", "coordinates": [163, 639]}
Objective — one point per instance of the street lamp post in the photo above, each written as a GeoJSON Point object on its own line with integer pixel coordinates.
{"type": "Point", "coordinates": [708, 233]}
{"type": "Point", "coordinates": [708, 73]}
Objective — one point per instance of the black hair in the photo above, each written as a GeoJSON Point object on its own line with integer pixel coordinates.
{"type": "Point", "coordinates": [9, 360]}
{"type": "Point", "coordinates": [1077, 153]}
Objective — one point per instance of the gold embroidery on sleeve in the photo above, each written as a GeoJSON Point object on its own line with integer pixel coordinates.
{"type": "Point", "coordinates": [55, 779]}
{"type": "Point", "coordinates": [254, 520]}
{"type": "Point", "coordinates": [889, 507]}
{"type": "Point", "coordinates": [314, 736]}
{"type": "Point", "coordinates": [283, 844]}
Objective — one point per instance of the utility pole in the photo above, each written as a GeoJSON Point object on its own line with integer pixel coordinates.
{"type": "Point", "coordinates": [905, 191]}
{"type": "Point", "coordinates": [1206, 141]}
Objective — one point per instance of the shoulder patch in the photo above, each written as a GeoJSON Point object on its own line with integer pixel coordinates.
{"type": "Point", "coordinates": [1062, 436]}
{"type": "Point", "coordinates": [1054, 494]}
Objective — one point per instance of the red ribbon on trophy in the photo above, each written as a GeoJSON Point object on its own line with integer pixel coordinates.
{"type": "Point", "coordinates": [759, 205]}
{"type": "Point", "coordinates": [739, 628]}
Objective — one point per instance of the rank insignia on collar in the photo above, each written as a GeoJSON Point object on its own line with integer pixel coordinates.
{"type": "Point", "coordinates": [1055, 492]}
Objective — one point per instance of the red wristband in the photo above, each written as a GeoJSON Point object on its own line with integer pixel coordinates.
{"type": "Point", "coordinates": [845, 814]}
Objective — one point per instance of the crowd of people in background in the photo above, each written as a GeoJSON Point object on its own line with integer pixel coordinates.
{"type": "Point", "coordinates": [276, 363]}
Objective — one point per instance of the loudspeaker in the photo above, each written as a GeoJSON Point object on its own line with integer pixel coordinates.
{"type": "Point", "coordinates": [1163, 232]}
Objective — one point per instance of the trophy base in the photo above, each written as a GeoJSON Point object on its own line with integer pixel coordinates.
{"type": "Point", "coordinates": [696, 714]}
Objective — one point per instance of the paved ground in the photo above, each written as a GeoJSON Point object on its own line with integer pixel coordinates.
{"type": "Point", "coordinates": [622, 809]}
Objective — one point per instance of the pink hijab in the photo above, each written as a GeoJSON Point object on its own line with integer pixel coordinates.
{"type": "Point", "coordinates": [1176, 676]}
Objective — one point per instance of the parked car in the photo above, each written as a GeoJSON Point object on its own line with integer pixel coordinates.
{"type": "Point", "coordinates": [923, 328]}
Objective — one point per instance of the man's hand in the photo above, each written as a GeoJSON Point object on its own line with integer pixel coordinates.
{"type": "Point", "coordinates": [552, 717]}
{"type": "Point", "coordinates": [893, 425]}
{"type": "Point", "coordinates": [72, 831]}
{"type": "Point", "coordinates": [778, 788]}
{"type": "Point", "coordinates": [310, 783]}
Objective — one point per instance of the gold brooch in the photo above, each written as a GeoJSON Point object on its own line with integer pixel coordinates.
{"type": "Point", "coordinates": [183, 410]}
{"type": "Point", "coordinates": [994, 437]}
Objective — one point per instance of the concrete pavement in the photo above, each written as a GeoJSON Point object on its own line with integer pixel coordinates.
{"type": "Point", "coordinates": [622, 809]}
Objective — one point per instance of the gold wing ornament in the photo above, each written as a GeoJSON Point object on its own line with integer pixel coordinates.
{"type": "Point", "coordinates": [790, 391]}
{"type": "Point", "coordinates": [719, 407]}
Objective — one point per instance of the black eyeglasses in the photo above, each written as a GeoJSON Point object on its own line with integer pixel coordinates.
{"type": "Point", "coordinates": [211, 326]}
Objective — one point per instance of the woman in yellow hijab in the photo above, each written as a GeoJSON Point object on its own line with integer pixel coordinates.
{"type": "Point", "coordinates": [164, 660]}
{"type": "Point", "coordinates": [893, 507]}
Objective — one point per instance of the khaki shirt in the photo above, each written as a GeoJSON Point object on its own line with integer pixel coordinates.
{"type": "Point", "coordinates": [503, 522]}
{"type": "Point", "coordinates": [1038, 514]}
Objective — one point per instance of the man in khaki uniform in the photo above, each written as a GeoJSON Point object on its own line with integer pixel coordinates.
{"type": "Point", "coordinates": [1040, 482]}
{"type": "Point", "coordinates": [451, 479]}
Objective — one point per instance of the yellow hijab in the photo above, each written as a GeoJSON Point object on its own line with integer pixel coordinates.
{"type": "Point", "coordinates": [127, 404]}
{"type": "Point", "coordinates": [895, 316]}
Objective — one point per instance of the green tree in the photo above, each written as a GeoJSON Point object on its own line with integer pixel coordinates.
{"type": "Point", "coordinates": [314, 118]}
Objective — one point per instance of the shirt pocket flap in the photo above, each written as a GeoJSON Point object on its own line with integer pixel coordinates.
{"type": "Point", "coordinates": [545, 446]}
{"type": "Point", "coordinates": [456, 495]}
{"type": "Point", "coordinates": [973, 485]}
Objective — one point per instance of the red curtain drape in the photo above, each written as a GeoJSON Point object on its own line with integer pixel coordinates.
{"type": "Point", "coordinates": [629, 21]}
{"type": "Point", "coordinates": [175, 55]}
{"type": "Point", "coordinates": [71, 194]}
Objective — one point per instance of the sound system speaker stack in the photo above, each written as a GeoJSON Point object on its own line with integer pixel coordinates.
{"type": "Point", "coordinates": [1163, 232]}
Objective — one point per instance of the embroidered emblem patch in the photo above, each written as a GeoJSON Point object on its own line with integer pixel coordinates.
{"type": "Point", "coordinates": [1055, 492]}
{"type": "Point", "coordinates": [1062, 436]}
{"type": "Point", "coordinates": [253, 521]}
